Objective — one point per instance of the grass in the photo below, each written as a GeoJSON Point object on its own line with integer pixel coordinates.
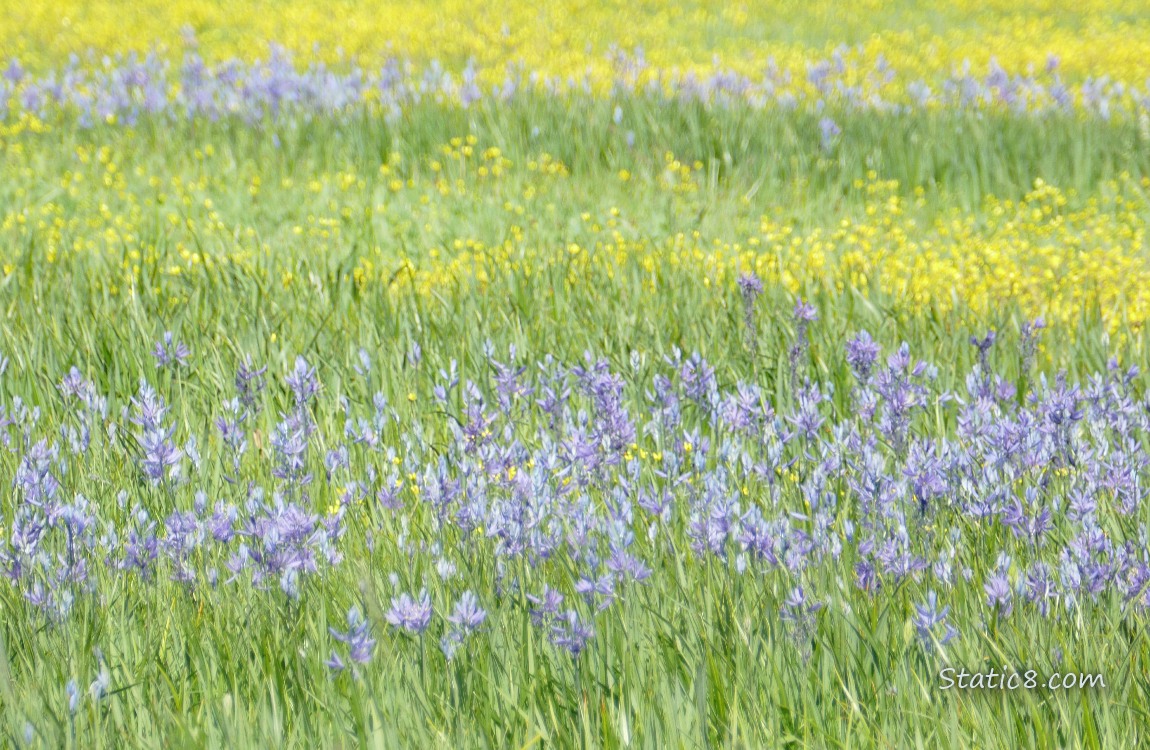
{"type": "Point", "coordinates": [696, 658]}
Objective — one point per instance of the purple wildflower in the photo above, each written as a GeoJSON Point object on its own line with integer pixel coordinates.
{"type": "Point", "coordinates": [929, 617]}
{"type": "Point", "coordinates": [999, 594]}
{"type": "Point", "coordinates": [250, 384]}
{"type": "Point", "coordinates": [804, 314]}
{"type": "Point", "coordinates": [1029, 341]}
{"type": "Point", "coordinates": [546, 605]}
{"type": "Point", "coordinates": [751, 287]}
{"type": "Point", "coordinates": [302, 382]}
{"type": "Point", "coordinates": [410, 614]}
{"type": "Point", "coordinates": [465, 619]}
{"type": "Point", "coordinates": [798, 615]}
{"type": "Point", "coordinates": [160, 454]}
{"type": "Point", "coordinates": [983, 345]}
{"type": "Point", "coordinates": [829, 131]}
{"type": "Point", "coordinates": [862, 352]}
{"type": "Point", "coordinates": [170, 353]}
{"type": "Point", "coordinates": [357, 637]}
{"type": "Point", "coordinates": [571, 633]}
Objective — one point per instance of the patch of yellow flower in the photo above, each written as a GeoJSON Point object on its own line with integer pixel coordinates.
{"type": "Point", "coordinates": [571, 38]}
{"type": "Point", "coordinates": [1049, 260]}
{"type": "Point", "coordinates": [139, 227]}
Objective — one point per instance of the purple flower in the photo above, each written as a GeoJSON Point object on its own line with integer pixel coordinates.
{"type": "Point", "coordinates": [804, 315]}
{"type": "Point", "coordinates": [929, 617]}
{"type": "Point", "coordinates": [388, 495]}
{"type": "Point", "coordinates": [287, 544]}
{"type": "Point", "coordinates": [1039, 587]}
{"type": "Point", "coordinates": [160, 454]}
{"type": "Point", "coordinates": [750, 285]}
{"type": "Point", "coordinates": [289, 441]}
{"type": "Point", "coordinates": [14, 73]}
{"type": "Point", "coordinates": [72, 384]}
{"type": "Point", "coordinates": [73, 693]}
{"type": "Point", "coordinates": [805, 312]}
{"type": "Point", "coordinates": [34, 477]}
{"type": "Point", "coordinates": [983, 346]}
{"type": "Point", "coordinates": [249, 384]}
{"type": "Point", "coordinates": [546, 605]}
{"type": "Point", "coordinates": [302, 382]}
{"type": "Point", "coordinates": [797, 611]}
{"type": "Point", "coordinates": [410, 614]}
{"type": "Point", "coordinates": [867, 577]}
{"type": "Point", "coordinates": [335, 663]}
{"type": "Point", "coordinates": [467, 615]}
{"type": "Point", "coordinates": [465, 619]}
{"type": "Point", "coordinates": [1030, 332]}
{"type": "Point", "coordinates": [698, 377]}
{"type": "Point", "coordinates": [1028, 525]}
{"type": "Point", "coordinates": [363, 369]}
{"type": "Point", "coordinates": [358, 639]}
{"type": "Point", "coordinates": [222, 523]}
{"type": "Point", "coordinates": [170, 353]}
{"type": "Point", "coordinates": [571, 633]}
{"type": "Point", "coordinates": [998, 593]}
{"type": "Point", "coordinates": [99, 687]}
{"type": "Point", "coordinates": [807, 419]}
{"type": "Point", "coordinates": [828, 132]}
{"type": "Point", "coordinates": [626, 566]}
{"type": "Point", "coordinates": [149, 407]}
{"type": "Point", "coordinates": [592, 588]}
{"type": "Point", "coordinates": [862, 352]}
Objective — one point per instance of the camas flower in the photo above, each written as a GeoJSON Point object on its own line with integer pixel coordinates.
{"type": "Point", "coordinates": [250, 384]}
{"type": "Point", "coordinates": [465, 619]}
{"type": "Point", "coordinates": [410, 615]}
{"type": "Point", "coordinates": [929, 618]}
{"type": "Point", "coordinates": [862, 351]}
{"type": "Point", "coordinates": [829, 130]}
{"type": "Point", "coordinates": [357, 637]}
{"type": "Point", "coordinates": [571, 633]}
{"type": "Point", "coordinates": [170, 353]}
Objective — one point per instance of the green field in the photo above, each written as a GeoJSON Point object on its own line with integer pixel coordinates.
{"type": "Point", "coordinates": [677, 504]}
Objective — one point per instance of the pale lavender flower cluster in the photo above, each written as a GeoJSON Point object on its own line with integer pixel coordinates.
{"type": "Point", "coordinates": [170, 353]}
{"type": "Point", "coordinates": [750, 286]}
{"type": "Point", "coordinates": [123, 89]}
{"type": "Point", "coordinates": [358, 639]}
{"type": "Point", "coordinates": [553, 492]}
{"type": "Point", "coordinates": [464, 620]}
{"type": "Point", "coordinates": [410, 614]}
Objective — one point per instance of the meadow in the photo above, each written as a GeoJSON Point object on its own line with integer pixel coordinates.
{"type": "Point", "coordinates": [441, 376]}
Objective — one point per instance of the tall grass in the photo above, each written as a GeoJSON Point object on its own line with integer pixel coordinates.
{"type": "Point", "coordinates": [700, 657]}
